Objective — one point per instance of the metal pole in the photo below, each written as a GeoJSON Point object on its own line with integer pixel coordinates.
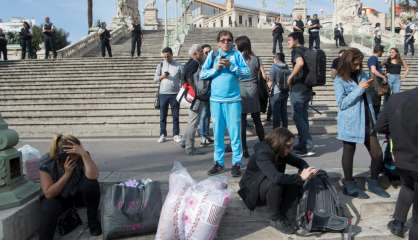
{"type": "Point", "coordinates": [393, 3]}
{"type": "Point", "coordinates": [177, 17]}
{"type": "Point", "coordinates": [165, 23]}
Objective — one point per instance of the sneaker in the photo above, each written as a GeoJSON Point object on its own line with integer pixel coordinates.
{"type": "Point", "coordinates": [374, 187]}
{"type": "Point", "coordinates": [216, 169]}
{"type": "Point", "coordinates": [209, 139]}
{"type": "Point", "coordinates": [283, 226]}
{"type": "Point", "coordinates": [303, 152]}
{"type": "Point", "coordinates": [161, 139]}
{"type": "Point", "coordinates": [95, 229]}
{"type": "Point", "coordinates": [177, 139]}
{"type": "Point", "coordinates": [350, 188]}
{"type": "Point", "coordinates": [396, 228]}
{"type": "Point", "coordinates": [236, 170]}
{"type": "Point", "coordinates": [204, 141]}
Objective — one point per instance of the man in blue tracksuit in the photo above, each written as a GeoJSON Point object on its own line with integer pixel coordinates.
{"type": "Point", "coordinates": [224, 67]}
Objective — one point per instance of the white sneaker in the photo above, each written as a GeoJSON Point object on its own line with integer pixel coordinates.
{"type": "Point", "coordinates": [161, 139]}
{"type": "Point", "coordinates": [177, 139]}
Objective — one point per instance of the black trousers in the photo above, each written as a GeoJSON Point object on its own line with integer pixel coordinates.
{"type": "Point", "coordinates": [314, 40]}
{"type": "Point", "coordinates": [409, 46]}
{"type": "Point", "coordinates": [301, 38]}
{"type": "Point", "coordinates": [408, 195]}
{"type": "Point", "coordinates": [105, 45]}
{"type": "Point", "coordinates": [88, 195]}
{"type": "Point", "coordinates": [339, 41]}
{"type": "Point", "coordinates": [372, 144]}
{"type": "Point", "coordinates": [259, 129]}
{"type": "Point", "coordinates": [3, 51]}
{"type": "Point", "coordinates": [49, 46]}
{"type": "Point", "coordinates": [377, 41]}
{"type": "Point", "coordinates": [277, 39]}
{"type": "Point", "coordinates": [281, 200]}
{"type": "Point", "coordinates": [136, 43]}
{"type": "Point", "coordinates": [26, 45]}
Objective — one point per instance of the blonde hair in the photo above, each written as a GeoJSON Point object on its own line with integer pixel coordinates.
{"type": "Point", "coordinates": [58, 141]}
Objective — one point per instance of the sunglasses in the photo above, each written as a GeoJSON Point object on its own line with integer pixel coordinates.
{"type": "Point", "coordinates": [225, 40]}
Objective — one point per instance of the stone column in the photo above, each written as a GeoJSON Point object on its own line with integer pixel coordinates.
{"type": "Point", "coordinates": [127, 10]}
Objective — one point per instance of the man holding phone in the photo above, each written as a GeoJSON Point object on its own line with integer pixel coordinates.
{"type": "Point", "coordinates": [224, 69]}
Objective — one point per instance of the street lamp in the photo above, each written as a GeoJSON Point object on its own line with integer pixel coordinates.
{"type": "Point", "coordinates": [166, 23]}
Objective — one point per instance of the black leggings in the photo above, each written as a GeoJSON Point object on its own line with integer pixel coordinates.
{"type": "Point", "coordinates": [88, 195]}
{"type": "Point", "coordinates": [281, 200]}
{"type": "Point", "coordinates": [258, 128]}
{"type": "Point", "coordinates": [372, 144]}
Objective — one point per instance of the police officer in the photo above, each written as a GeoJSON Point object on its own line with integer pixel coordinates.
{"type": "Point", "coordinates": [136, 37]}
{"type": "Point", "coordinates": [313, 28]}
{"type": "Point", "coordinates": [409, 36]}
{"type": "Point", "coordinates": [3, 45]}
{"type": "Point", "coordinates": [277, 35]}
{"type": "Point", "coordinates": [48, 33]}
{"type": "Point", "coordinates": [105, 40]}
{"type": "Point", "coordinates": [26, 40]}
{"type": "Point", "coordinates": [299, 27]}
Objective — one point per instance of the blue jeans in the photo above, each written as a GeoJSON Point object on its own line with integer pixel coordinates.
{"type": "Point", "coordinates": [165, 101]}
{"type": "Point", "coordinates": [227, 116]}
{"type": "Point", "coordinates": [204, 121]}
{"type": "Point", "coordinates": [300, 106]}
{"type": "Point", "coordinates": [279, 109]}
{"type": "Point", "coordinates": [394, 81]}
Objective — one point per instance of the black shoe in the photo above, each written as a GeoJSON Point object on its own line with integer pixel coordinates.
{"type": "Point", "coordinates": [351, 189]}
{"type": "Point", "coordinates": [236, 171]}
{"type": "Point", "coordinates": [216, 169]}
{"type": "Point", "coordinates": [245, 153]}
{"type": "Point", "coordinates": [283, 226]}
{"type": "Point", "coordinates": [374, 187]}
{"type": "Point", "coordinates": [95, 229]}
{"type": "Point", "coordinates": [396, 228]}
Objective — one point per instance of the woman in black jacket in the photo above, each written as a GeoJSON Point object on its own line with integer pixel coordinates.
{"type": "Point", "coordinates": [265, 181]}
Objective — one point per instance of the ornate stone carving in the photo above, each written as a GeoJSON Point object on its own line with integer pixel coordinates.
{"type": "Point", "coordinates": [150, 4]}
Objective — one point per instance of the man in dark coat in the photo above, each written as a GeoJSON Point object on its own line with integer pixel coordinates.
{"type": "Point", "coordinates": [3, 45]}
{"type": "Point", "coordinates": [48, 30]}
{"type": "Point", "coordinates": [137, 37]}
{"type": "Point", "coordinates": [399, 119]}
{"type": "Point", "coordinates": [105, 40]}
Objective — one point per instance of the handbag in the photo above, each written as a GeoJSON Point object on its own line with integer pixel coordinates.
{"type": "Point", "coordinates": [68, 221]}
{"type": "Point", "coordinates": [382, 88]}
{"type": "Point", "coordinates": [186, 96]}
{"type": "Point", "coordinates": [263, 92]}
{"type": "Point", "coordinates": [157, 94]}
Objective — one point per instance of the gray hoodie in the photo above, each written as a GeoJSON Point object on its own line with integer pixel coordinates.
{"type": "Point", "coordinates": [275, 73]}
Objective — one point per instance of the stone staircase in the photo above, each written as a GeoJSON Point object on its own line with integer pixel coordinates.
{"type": "Point", "coordinates": [95, 97]}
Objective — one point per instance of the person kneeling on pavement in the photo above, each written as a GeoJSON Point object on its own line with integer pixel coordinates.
{"type": "Point", "coordinates": [266, 183]}
{"type": "Point", "coordinates": [68, 178]}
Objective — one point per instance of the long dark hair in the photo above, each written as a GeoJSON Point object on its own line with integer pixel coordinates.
{"type": "Point", "coordinates": [26, 24]}
{"type": "Point", "coordinates": [244, 46]}
{"type": "Point", "coordinates": [278, 139]}
{"type": "Point", "coordinates": [346, 64]}
{"type": "Point", "coordinates": [398, 57]}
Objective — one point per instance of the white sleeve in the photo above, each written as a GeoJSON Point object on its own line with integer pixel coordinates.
{"type": "Point", "coordinates": [309, 23]}
{"type": "Point", "coordinates": [413, 26]}
{"type": "Point", "coordinates": [294, 23]}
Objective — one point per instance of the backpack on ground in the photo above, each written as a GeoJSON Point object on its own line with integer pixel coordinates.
{"type": "Point", "coordinates": [316, 64]}
{"type": "Point", "coordinates": [320, 209]}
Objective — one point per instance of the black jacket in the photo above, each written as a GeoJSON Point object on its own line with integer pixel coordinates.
{"type": "Point", "coordinates": [400, 119]}
{"type": "Point", "coordinates": [266, 164]}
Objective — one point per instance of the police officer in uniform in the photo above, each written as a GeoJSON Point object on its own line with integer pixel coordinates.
{"type": "Point", "coordinates": [277, 35]}
{"type": "Point", "coordinates": [105, 40]}
{"type": "Point", "coordinates": [3, 45]}
{"type": "Point", "coordinates": [26, 40]}
{"type": "Point", "coordinates": [299, 27]}
{"type": "Point", "coordinates": [136, 38]}
{"type": "Point", "coordinates": [409, 36]}
{"type": "Point", "coordinates": [313, 28]}
{"type": "Point", "coordinates": [48, 33]}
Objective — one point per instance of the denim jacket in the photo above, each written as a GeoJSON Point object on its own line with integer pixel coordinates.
{"type": "Point", "coordinates": [351, 121]}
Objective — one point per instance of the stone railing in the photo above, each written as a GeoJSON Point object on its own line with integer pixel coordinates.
{"type": "Point", "coordinates": [89, 42]}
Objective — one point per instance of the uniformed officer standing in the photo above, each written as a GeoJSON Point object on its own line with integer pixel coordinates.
{"type": "Point", "coordinates": [409, 36]}
{"type": "Point", "coordinates": [3, 45]}
{"type": "Point", "coordinates": [299, 27]}
{"type": "Point", "coordinates": [105, 40]}
{"type": "Point", "coordinates": [137, 37]}
{"type": "Point", "coordinates": [313, 28]}
{"type": "Point", "coordinates": [277, 35]}
{"type": "Point", "coordinates": [49, 38]}
{"type": "Point", "coordinates": [26, 40]}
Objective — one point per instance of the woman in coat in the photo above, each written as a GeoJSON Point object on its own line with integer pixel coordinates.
{"type": "Point", "coordinates": [266, 183]}
{"type": "Point", "coordinates": [355, 122]}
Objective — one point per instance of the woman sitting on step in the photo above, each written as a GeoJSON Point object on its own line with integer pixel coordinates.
{"type": "Point", "coordinates": [265, 181]}
{"type": "Point", "coordinates": [68, 178]}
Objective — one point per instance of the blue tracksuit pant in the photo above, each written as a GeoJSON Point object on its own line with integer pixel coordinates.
{"type": "Point", "coordinates": [226, 115]}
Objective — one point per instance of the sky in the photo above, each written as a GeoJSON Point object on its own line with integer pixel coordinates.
{"type": "Point", "coordinates": [71, 15]}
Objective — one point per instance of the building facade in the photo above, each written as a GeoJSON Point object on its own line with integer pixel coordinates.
{"type": "Point", "coordinates": [15, 24]}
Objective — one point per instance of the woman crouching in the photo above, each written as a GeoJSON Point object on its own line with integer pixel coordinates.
{"type": "Point", "coordinates": [265, 181]}
{"type": "Point", "coordinates": [68, 178]}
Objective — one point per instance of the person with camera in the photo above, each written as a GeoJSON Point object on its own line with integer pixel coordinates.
{"type": "Point", "coordinates": [355, 122]}
{"type": "Point", "coordinates": [224, 70]}
{"type": "Point", "coordinates": [167, 75]}
{"type": "Point", "coordinates": [68, 178]}
{"type": "Point", "coordinates": [265, 181]}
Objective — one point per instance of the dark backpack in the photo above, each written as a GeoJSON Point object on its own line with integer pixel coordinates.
{"type": "Point", "coordinates": [320, 209]}
{"type": "Point", "coordinates": [316, 67]}
{"type": "Point", "coordinates": [284, 75]}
